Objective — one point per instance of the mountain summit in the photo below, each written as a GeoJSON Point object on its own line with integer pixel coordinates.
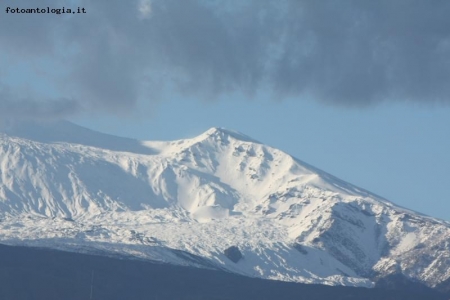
{"type": "Point", "coordinates": [222, 133]}
{"type": "Point", "coordinates": [220, 200]}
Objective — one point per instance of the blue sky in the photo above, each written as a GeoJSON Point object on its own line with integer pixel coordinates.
{"type": "Point", "coordinates": [360, 89]}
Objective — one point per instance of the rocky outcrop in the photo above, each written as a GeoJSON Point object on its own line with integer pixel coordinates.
{"type": "Point", "coordinates": [233, 253]}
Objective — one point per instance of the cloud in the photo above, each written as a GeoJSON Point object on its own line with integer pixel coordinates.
{"type": "Point", "coordinates": [145, 8]}
{"type": "Point", "coordinates": [361, 52]}
{"type": "Point", "coordinates": [351, 53]}
{"type": "Point", "coordinates": [13, 106]}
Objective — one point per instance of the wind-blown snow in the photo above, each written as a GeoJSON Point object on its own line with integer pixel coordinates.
{"type": "Point", "coordinates": [185, 202]}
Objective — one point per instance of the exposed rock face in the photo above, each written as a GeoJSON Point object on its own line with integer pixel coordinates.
{"type": "Point", "coordinates": [233, 254]}
{"type": "Point", "coordinates": [300, 249]}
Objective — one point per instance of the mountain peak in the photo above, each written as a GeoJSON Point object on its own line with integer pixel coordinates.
{"type": "Point", "coordinates": [223, 133]}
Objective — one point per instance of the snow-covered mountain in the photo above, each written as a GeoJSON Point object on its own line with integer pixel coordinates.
{"type": "Point", "coordinates": [220, 200]}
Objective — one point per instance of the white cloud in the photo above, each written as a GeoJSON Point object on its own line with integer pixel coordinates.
{"type": "Point", "coordinates": [145, 9]}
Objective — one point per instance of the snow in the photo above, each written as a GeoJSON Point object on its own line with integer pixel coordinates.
{"type": "Point", "coordinates": [70, 188]}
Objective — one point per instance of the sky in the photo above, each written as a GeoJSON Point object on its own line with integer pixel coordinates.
{"type": "Point", "coordinates": [359, 89]}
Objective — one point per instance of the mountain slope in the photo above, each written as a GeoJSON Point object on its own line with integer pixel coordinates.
{"type": "Point", "coordinates": [184, 202]}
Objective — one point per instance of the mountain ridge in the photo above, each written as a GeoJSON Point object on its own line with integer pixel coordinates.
{"type": "Point", "coordinates": [290, 221]}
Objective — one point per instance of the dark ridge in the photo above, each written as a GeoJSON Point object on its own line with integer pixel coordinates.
{"type": "Point", "coordinates": [398, 281]}
{"type": "Point", "coordinates": [444, 287]}
{"type": "Point", "coordinates": [34, 274]}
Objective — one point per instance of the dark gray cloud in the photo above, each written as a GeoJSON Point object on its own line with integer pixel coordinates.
{"type": "Point", "coordinates": [361, 52]}
{"type": "Point", "coordinates": [13, 106]}
{"type": "Point", "coordinates": [352, 52]}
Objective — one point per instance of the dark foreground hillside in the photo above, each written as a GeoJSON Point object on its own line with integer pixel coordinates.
{"type": "Point", "coordinates": [30, 273]}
